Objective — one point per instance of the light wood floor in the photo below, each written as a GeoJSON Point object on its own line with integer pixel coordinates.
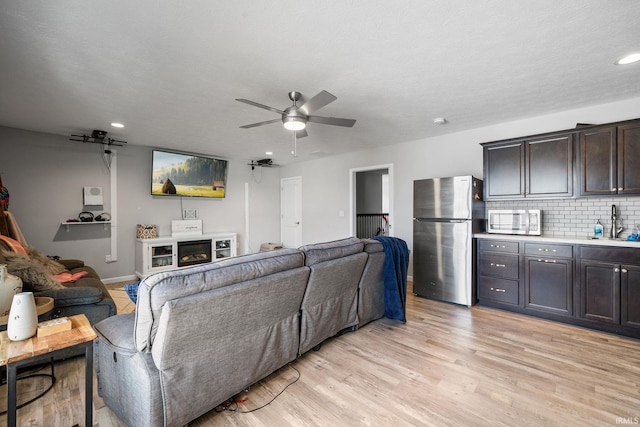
{"type": "Point", "coordinates": [447, 366]}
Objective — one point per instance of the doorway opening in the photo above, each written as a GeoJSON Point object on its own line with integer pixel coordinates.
{"type": "Point", "coordinates": [371, 199]}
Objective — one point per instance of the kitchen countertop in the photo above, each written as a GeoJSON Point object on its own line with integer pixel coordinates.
{"type": "Point", "coordinates": [556, 239]}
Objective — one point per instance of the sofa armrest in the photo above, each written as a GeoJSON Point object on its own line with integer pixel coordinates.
{"type": "Point", "coordinates": [70, 264]}
{"type": "Point", "coordinates": [117, 331]}
{"type": "Point", "coordinates": [78, 295]}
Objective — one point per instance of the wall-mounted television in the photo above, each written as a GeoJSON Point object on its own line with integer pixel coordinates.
{"type": "Point", "coordinates": [188, 175]}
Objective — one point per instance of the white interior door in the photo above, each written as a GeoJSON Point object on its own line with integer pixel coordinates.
{"type": "Point", "coordinates": [291, 211]}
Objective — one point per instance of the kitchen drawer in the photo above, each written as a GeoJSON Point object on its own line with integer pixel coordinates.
{"type": "Point", "coordinates": [548, 250]}
{"type": "Point", "coordinates": [499, 290]}
{"type": "Point", "coordinates": [498, 245]}
{"type": "Point", "coordinates": [498, 265]}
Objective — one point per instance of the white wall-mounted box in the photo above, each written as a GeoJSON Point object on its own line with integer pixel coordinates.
{"type": "Point", "coordinates": [92, 196]}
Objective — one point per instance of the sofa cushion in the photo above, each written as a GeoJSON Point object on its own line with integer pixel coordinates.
{"type": "Point", "coordinates": [155, 290]}
{"type": "Point", "coordinates": [320, 252]}
{"type": "Point", "coordinates": [74, 295]}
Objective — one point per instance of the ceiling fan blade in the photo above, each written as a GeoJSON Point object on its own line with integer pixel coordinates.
{"type": "Point", "coordinates": [320, 100]}
{"type": "Point", "coordinates": [268, 122]}
{"type": "Point", "coordinates": [334, 121]}
{"type": "Point", "coordinates": [301, 133]}
{"type": "Point", "coordinates": [266, 107]}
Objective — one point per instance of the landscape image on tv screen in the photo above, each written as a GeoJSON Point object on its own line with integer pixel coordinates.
{"type": "Point", "coordinates": [189, 175]}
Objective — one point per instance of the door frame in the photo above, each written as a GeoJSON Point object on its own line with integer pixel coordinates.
{"type": "Point", "coordinates": [352, 194]}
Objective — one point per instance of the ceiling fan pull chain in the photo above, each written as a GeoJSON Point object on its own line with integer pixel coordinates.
{"type": "Point", "coordinates": [294, 151]}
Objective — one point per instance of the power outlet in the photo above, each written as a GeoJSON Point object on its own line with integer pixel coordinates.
{"type": "Point", "coordinates": [190, 214]}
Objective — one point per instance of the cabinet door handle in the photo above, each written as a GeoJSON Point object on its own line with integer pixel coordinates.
{"type": "Point", "coordinates": [498, 265]}
{"type": "Point", "coordinates": [613, 189]}
{"type": "Point", "coordinates": [620, 188]}
{"type": "Point", "coordinates": [546, 250]}
{"type": "Point", "coordinates": [547, 260]}
{"type": "Point", "coordinates": [498, 290]}
{"type": "Point", "coordinates": [624, 270]}
{"type": "Point", "coordinates": [498, 246]}
{"type": "Point", "coordinates": [616, 270]}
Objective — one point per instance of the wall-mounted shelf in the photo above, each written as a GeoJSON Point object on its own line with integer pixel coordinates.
{"type": "Point", "coordinates": [67, 224]}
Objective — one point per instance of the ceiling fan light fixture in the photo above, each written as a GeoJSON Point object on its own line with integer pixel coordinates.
{"type": "Point", "coordinates": [294, 123]}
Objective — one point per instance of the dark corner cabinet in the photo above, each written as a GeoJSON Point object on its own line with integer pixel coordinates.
{"type": "Point", "coordinates": [587, 161]}
{"type": "Point", "coordinates": [587, 285]}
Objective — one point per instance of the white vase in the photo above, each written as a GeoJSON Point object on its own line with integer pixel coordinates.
{"type": "Point", "coordinates": [23, 317]}
{"type": "Point", "coordinates": [9, 286]}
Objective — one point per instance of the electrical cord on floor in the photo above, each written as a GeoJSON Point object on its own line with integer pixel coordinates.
{"type": "Point", "coordinates": [232, 405]}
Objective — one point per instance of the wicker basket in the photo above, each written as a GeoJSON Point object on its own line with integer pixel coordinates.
{"type": "Point", "coordinates": [146, 231]}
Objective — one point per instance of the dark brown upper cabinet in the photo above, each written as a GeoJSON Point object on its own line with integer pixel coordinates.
{"type": "Point", "coordinates": [629, 159]}
{"type": "Point", "coordinates": [504, 170]}
{"type": "Point", "coordinates": [537, 167]}
{"type": "Point", "coordinates": [609, 159]}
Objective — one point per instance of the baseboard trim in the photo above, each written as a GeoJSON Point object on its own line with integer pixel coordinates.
{"type": "Point", "coordinates": [110, 280]}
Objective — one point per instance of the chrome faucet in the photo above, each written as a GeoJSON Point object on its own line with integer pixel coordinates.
{"type": "Point", "coordinates": [615, 231]}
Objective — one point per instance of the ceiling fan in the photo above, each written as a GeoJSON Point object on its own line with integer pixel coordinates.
{"type": "Point", "coordinates": [262, 163]}
{"type": "Point", "coordinates": [98, 137]}
{"type": "Point", "coordinates": [295, 117]}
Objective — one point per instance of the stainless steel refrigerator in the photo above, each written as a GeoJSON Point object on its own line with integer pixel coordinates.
{"type": "Point", "coordinates": [446, 214]}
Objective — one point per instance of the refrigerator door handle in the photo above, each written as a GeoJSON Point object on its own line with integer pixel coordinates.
{"type": "Point", "coordinates": [440, 220]}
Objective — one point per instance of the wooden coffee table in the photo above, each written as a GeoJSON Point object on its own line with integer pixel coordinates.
{"type": "Point", "coordinates": [14, 354]}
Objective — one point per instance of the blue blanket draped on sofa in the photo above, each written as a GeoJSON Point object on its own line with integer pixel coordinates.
{"type": "Point", "coordinates": [396, 263]}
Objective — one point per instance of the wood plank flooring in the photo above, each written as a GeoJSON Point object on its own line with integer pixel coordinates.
{"type": "Point", "coordinates": [447, 366]}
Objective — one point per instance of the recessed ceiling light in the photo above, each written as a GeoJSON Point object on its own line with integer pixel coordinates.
{"type": "Point", "coordinates": [117, 125]}
{"type": "Point", "coordinates": [629, 59]}
{"type": "Point", "coordinates": [439, 120]}
{"type": "Point", "coordinates": [268, 153]}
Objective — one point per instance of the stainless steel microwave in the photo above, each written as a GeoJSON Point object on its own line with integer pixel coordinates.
{"type": "Point", "coordinates": [514, 221]}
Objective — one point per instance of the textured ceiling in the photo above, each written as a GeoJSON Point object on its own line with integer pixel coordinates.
{"type": "Point", "coordinates": [171, 70]}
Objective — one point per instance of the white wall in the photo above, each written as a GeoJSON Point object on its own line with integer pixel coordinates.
{"type": "Point", "coordinates": [45, 175]}
{"type": "Point", "coordinates": [325, 181]}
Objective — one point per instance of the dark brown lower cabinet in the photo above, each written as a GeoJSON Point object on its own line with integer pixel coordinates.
{"type": "Point", "coordinates": [548, 285]}
{"type": "Point", "coordinates": [610, 285]}
{"type": "Point", "coordinates": [594, 286]}
{"type": "Point", "coordinates": [600, 291]}
{"type": "Point", "coordinates": [630, 296]}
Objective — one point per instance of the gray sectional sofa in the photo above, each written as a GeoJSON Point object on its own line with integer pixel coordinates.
{"type": "Point", "coordinates": [203, 334]}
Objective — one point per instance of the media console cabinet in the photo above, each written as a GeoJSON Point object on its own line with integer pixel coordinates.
{"type": "Point", "coordinates": [172, 252]}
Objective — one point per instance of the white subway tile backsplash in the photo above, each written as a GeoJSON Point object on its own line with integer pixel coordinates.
{"type": "Point", "coordinates": [576, 217]}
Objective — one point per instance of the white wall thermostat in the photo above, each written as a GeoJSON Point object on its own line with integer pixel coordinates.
{"type": "Point", "coordinates": [92, 196]}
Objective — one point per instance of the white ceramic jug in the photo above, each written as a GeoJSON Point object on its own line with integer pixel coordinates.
{"type": "Point", "coordinates": [9, 286]}
{"type": "Point", "coordinates": [23, 317]}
